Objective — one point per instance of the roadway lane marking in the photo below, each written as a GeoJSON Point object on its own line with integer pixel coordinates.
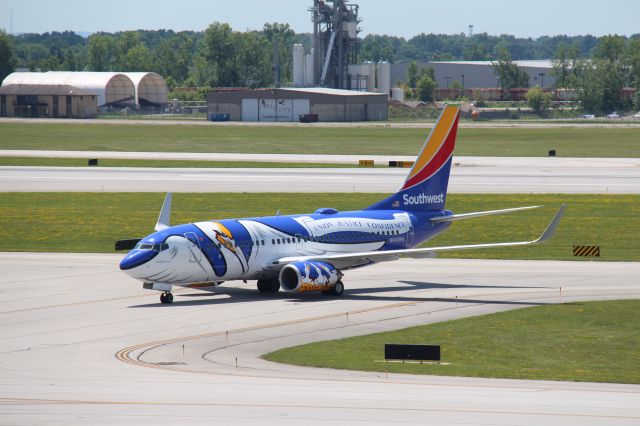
{"type": "Point", "coordinates": [124, 355]}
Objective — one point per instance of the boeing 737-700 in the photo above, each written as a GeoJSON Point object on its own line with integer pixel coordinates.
{"type": "Point", "coordinates": [310, 252]}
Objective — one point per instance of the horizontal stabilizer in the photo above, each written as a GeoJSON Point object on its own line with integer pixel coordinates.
{"type": "Point", "coordinates": [455, 217]}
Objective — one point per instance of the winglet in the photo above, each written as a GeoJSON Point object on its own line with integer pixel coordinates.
{"type": "Point", "coordinates": [165, 214]}
{"type": "Point", "coordinates": [551, 229]}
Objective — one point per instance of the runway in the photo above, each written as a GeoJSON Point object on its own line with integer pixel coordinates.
{"type": "Point", "coordinates": [84, 344]}
{"type": "Point", "coordinates": [468, 175]}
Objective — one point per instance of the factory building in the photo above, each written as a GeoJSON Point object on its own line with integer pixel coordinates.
{"type": "Point", "coordinates": [477, 74]}
{"type": "Point", "coordinates": [288, 104]}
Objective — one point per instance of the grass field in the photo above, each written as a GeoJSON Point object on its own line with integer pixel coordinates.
{"type": "Point", "coordinates": [573, 342]}
{"type": "Point", "coordinates": [90, 222]}
{"type": "Point", "coordinates": [82, 162]}
{"type": "Point", "coordinates": [522, 142]}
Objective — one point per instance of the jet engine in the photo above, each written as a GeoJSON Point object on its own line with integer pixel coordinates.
{"type": "Point", "coordinates": [309, 276]}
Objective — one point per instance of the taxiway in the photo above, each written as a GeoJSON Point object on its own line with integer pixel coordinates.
{"type": "Point", "coordinates": [468, 175]}
{"type": "Point", "coordinates": [84, 344]}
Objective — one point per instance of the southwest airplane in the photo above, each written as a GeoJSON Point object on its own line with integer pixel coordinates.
{"type": "Point", "coordinates": [309, 252]}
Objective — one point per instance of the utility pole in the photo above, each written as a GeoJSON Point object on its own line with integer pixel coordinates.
{"type": "Point", "coordinates": [276, 61]}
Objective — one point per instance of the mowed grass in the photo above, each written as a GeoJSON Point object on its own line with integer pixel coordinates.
{"type": "Point", "coordinates": [82, 162]}
{"type": "Point", "coordinates": [90, 222]}
{"type": "Point", "coordinates": [591, 342]}
{"type": "Point", "coordinates": [300, 139]}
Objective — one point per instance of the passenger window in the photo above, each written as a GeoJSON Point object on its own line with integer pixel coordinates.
{"type": "Point", "coordinates": [273, 242]}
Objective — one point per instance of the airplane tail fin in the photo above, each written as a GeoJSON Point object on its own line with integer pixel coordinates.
{"type": "Point", "coordinates": [425, 187]}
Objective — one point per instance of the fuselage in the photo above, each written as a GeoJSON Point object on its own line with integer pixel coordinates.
{"type": "Point", "coordinates": [245, 249]}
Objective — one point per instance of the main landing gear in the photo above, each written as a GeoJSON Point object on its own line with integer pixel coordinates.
{"type": "Point", "coordinates": [336, 290]}
{"type": "Point", "coordinates": [268, 286]}
{"type": "Point", "coordinates": [166, 298]}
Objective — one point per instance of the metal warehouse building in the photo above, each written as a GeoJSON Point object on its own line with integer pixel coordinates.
{"type": "Point", "coordinates": [287, 104]}
{"type": "Point", "coordinates": [477, 74]}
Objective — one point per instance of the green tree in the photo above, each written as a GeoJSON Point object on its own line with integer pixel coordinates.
{"type": "Point", "coordinates": [101, 52]}
{"type": "Point", "coordinates": [254, 68]}
{"type": "Point", "coordinates": [218, 50]}
{"type": "Point", "coordinates": [538, 100]}
{"type": "Point", "coordinates": [426, 88]}
{"type": "Point", "coordinates": [633, 61]}
{"type": "Point", "coordinates": [608, 58]}
{"type": "Point", "coordinates": [412, 74]}
{"type": "Point", "coordinates": [7, 56]}
{"type": "Point", "coordinates": [74, 58]}
{"type": "Point", "coordinates": [284, 37]}
{"type": "Point", "coordinates": [589, 82]}
{"type": "Point", "coordinates": [456, 84]}
{"type": "Point", "coordinates": [561, 65]}
{"type": "Point", "coordinates": [135, 59]}
{"type": "Point", "coordinates": [636, 101]}
{"type": "Point", "coordinates": [130, 53]}
{"type": "Point", "coordinates": [429, 71]}
{"type": "Point", "coordinates": [475, 51]}
{"type": "Point", "coordinates": [508, 73]}
{"type": "Point", "coordinates": [173, 57]}
{"type": "Point", "coordinates": [31, 55]}
{"type": "Point", "coordinates": [377, 48]}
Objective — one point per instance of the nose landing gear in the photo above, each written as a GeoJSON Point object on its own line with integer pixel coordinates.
{"type": "Point", "coordinates": [166, 298]}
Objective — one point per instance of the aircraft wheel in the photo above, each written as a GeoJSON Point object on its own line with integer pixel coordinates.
{"type": "Point", "coordinates": [274, 286]}
{"type": "Point", "coordinates": [263, 286]}
{"type": "Point", "coordinates": [166, 298]}
{"type": "Point", "coordinates": [338, 289]}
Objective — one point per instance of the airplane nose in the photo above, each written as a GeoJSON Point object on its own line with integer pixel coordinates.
{"type": "Point", "coordinates": [136, 258]}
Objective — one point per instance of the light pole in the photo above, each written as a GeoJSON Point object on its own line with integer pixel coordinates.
{"type": "Point", "coordinates": [462, 75]}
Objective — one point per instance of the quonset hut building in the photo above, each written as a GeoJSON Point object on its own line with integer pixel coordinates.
{"type": "Point", "coordinates": [77, 94]}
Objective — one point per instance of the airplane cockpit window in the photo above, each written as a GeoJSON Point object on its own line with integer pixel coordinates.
{"type": "Point", "coordinates": [154, 247]}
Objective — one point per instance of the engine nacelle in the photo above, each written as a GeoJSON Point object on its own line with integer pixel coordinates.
{"type": "Point", "coordinates": [308, 276]}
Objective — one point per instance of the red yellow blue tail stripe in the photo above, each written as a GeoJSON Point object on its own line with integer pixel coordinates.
{"type": "Point", "coordinates": [438, 149]}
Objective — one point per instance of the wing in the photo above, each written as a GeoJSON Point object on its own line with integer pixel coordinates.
{"type": "Point", "coordinates": [354, 260]}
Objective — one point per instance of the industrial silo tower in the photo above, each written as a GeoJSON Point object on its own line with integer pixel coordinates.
{"type": "Point", "coordinates": [335, 33]}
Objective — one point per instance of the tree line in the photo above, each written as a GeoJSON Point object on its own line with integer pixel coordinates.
{"type": "Point", "coordinates": [596, 67]}
{"type": "Point", "coordinates": [598, 80]}
{"type": "Point", "coordinates": [215, 57]}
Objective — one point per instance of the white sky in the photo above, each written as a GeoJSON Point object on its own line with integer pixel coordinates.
{"type": "Point", "coordinates": [404, 18]}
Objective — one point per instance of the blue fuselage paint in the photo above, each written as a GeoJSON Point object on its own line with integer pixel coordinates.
{"type": "Point", "coordinates": [243, 248]}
